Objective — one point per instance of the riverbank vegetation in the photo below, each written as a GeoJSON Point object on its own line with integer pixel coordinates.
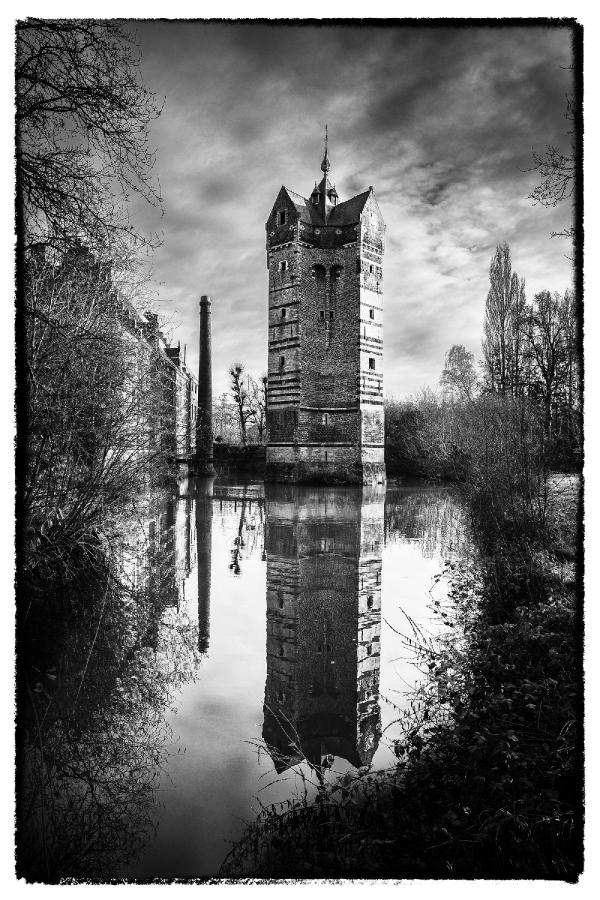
{"type": "Point", "coordinates": [94, 432]}
{"type": "Point", "coordinates": [488, 779]}
{"type": "Point", "coordinates": [530, 373]}
{"type": "Point", "coordinates": [93, 404]}
{"type": "Point", "coordinates": [95, 678]}
{"type": "Point", "coordinates": [488, 776]}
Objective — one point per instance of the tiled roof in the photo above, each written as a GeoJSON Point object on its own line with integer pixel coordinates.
{"type": "Point", "coordinates": [346, 213]}
{"type": "Point", "coordinates": [306, 210]}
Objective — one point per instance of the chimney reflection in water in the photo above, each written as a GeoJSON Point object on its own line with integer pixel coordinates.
{"type": "Point", "coordinates": [324, 550]}
{"type": "Point", "coordinates": [203, 489]}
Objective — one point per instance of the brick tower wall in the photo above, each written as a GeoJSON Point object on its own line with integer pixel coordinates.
{"type": "Point", "coordinates": [325, 398]}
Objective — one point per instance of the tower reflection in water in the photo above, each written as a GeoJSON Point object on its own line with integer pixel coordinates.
{"type": "Point", "coordinates": [323, 548]}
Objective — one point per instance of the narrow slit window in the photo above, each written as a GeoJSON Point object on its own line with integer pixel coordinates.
{"type": "Point", "coordinates": [371, 313]}
{"type": "Point", "coordinates": [371, 362]}
{"type": "Point", "coordinates": [282, 217]}
{"type": "Point", "coordinates": [283, 313]}
{"type": "Point", "coordinates": [325, 419]}
{"type": "Point", "coordinates": [322, 315]}
{"type": "Point", "coordinates": [283, 265]}
{"type": "Point", "coordinates": [281, 362]}
{"type": "Point", "coordinates": [326, 456]}
{"type": "Point", "coordinates": [331, 314]}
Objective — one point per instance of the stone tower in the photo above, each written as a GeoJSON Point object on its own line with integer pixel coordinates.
{"type": "Point", "coordinates": [325, 388]}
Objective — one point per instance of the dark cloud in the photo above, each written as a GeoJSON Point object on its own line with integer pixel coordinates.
{"type": "Point", "coordinates": [441, 121]}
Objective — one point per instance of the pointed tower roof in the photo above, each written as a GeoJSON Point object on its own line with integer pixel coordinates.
{"type": "Point", "coordinates": [325, 165]}
{"type": "Point", "coordinates": [324, 195]}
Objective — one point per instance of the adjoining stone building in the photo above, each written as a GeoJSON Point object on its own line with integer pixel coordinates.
{"type": "Point", "coordinates": [158, 391]}
{"type": "Point", "coordinates": [325, 387]}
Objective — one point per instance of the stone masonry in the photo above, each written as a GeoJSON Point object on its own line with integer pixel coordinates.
{"type": "Point", "coordinates": [325, 387]}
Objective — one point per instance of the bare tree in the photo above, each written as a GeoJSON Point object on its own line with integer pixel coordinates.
{"type": "Point", "coordinates": [503, 301]}
{"type": "Point", "coordinates": [547, 341]}
{"type": "Point", "coordinates": [258, 404]}
{"type": "Point", "coordinates": [517, 324]}
{"type": "Point", "coordinates": [99, 398]}
{"type": "Point", "coordinates": [225, 419]}
{"type": "Point", "coordinates": [557, 171]}
{"type": "Point", "coordinates": [572, 382]}
{"type": "Point", "coordinates": [241, 398]}
{"type": "Point", "coordinates": [82, 117]}
{"type": "Point", "coordinates": [459, 377]}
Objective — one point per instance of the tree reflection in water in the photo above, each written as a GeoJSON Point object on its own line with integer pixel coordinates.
{"type": "Point", "coordinates": [100, 655]}
{"type": "Point", "coordinates": [105, 652]}
{"type": "Point", "coordinates": [432, 517]}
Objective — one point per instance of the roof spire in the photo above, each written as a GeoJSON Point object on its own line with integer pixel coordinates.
{"type": "Point", "coordinates": [325, 165]}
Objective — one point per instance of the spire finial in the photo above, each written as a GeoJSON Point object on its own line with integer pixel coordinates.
{"type": "Point", "coordinates": [325, 165]}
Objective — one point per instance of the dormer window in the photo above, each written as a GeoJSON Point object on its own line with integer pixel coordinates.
{"type": "Point", "coordinates": [282, 217]}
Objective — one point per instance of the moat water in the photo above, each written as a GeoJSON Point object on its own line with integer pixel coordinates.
{"type": "Point", "coordinates": [273, 641]}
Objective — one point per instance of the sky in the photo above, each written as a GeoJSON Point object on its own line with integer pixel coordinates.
{"type": "Point", "coordinates": [442, 121]}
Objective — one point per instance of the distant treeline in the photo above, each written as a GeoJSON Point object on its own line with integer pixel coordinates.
{"type": "Point", "coordinates": [530, 373]}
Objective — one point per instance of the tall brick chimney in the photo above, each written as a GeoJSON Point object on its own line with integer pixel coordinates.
{"type": "Point", "coordinates": [204, 437]}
